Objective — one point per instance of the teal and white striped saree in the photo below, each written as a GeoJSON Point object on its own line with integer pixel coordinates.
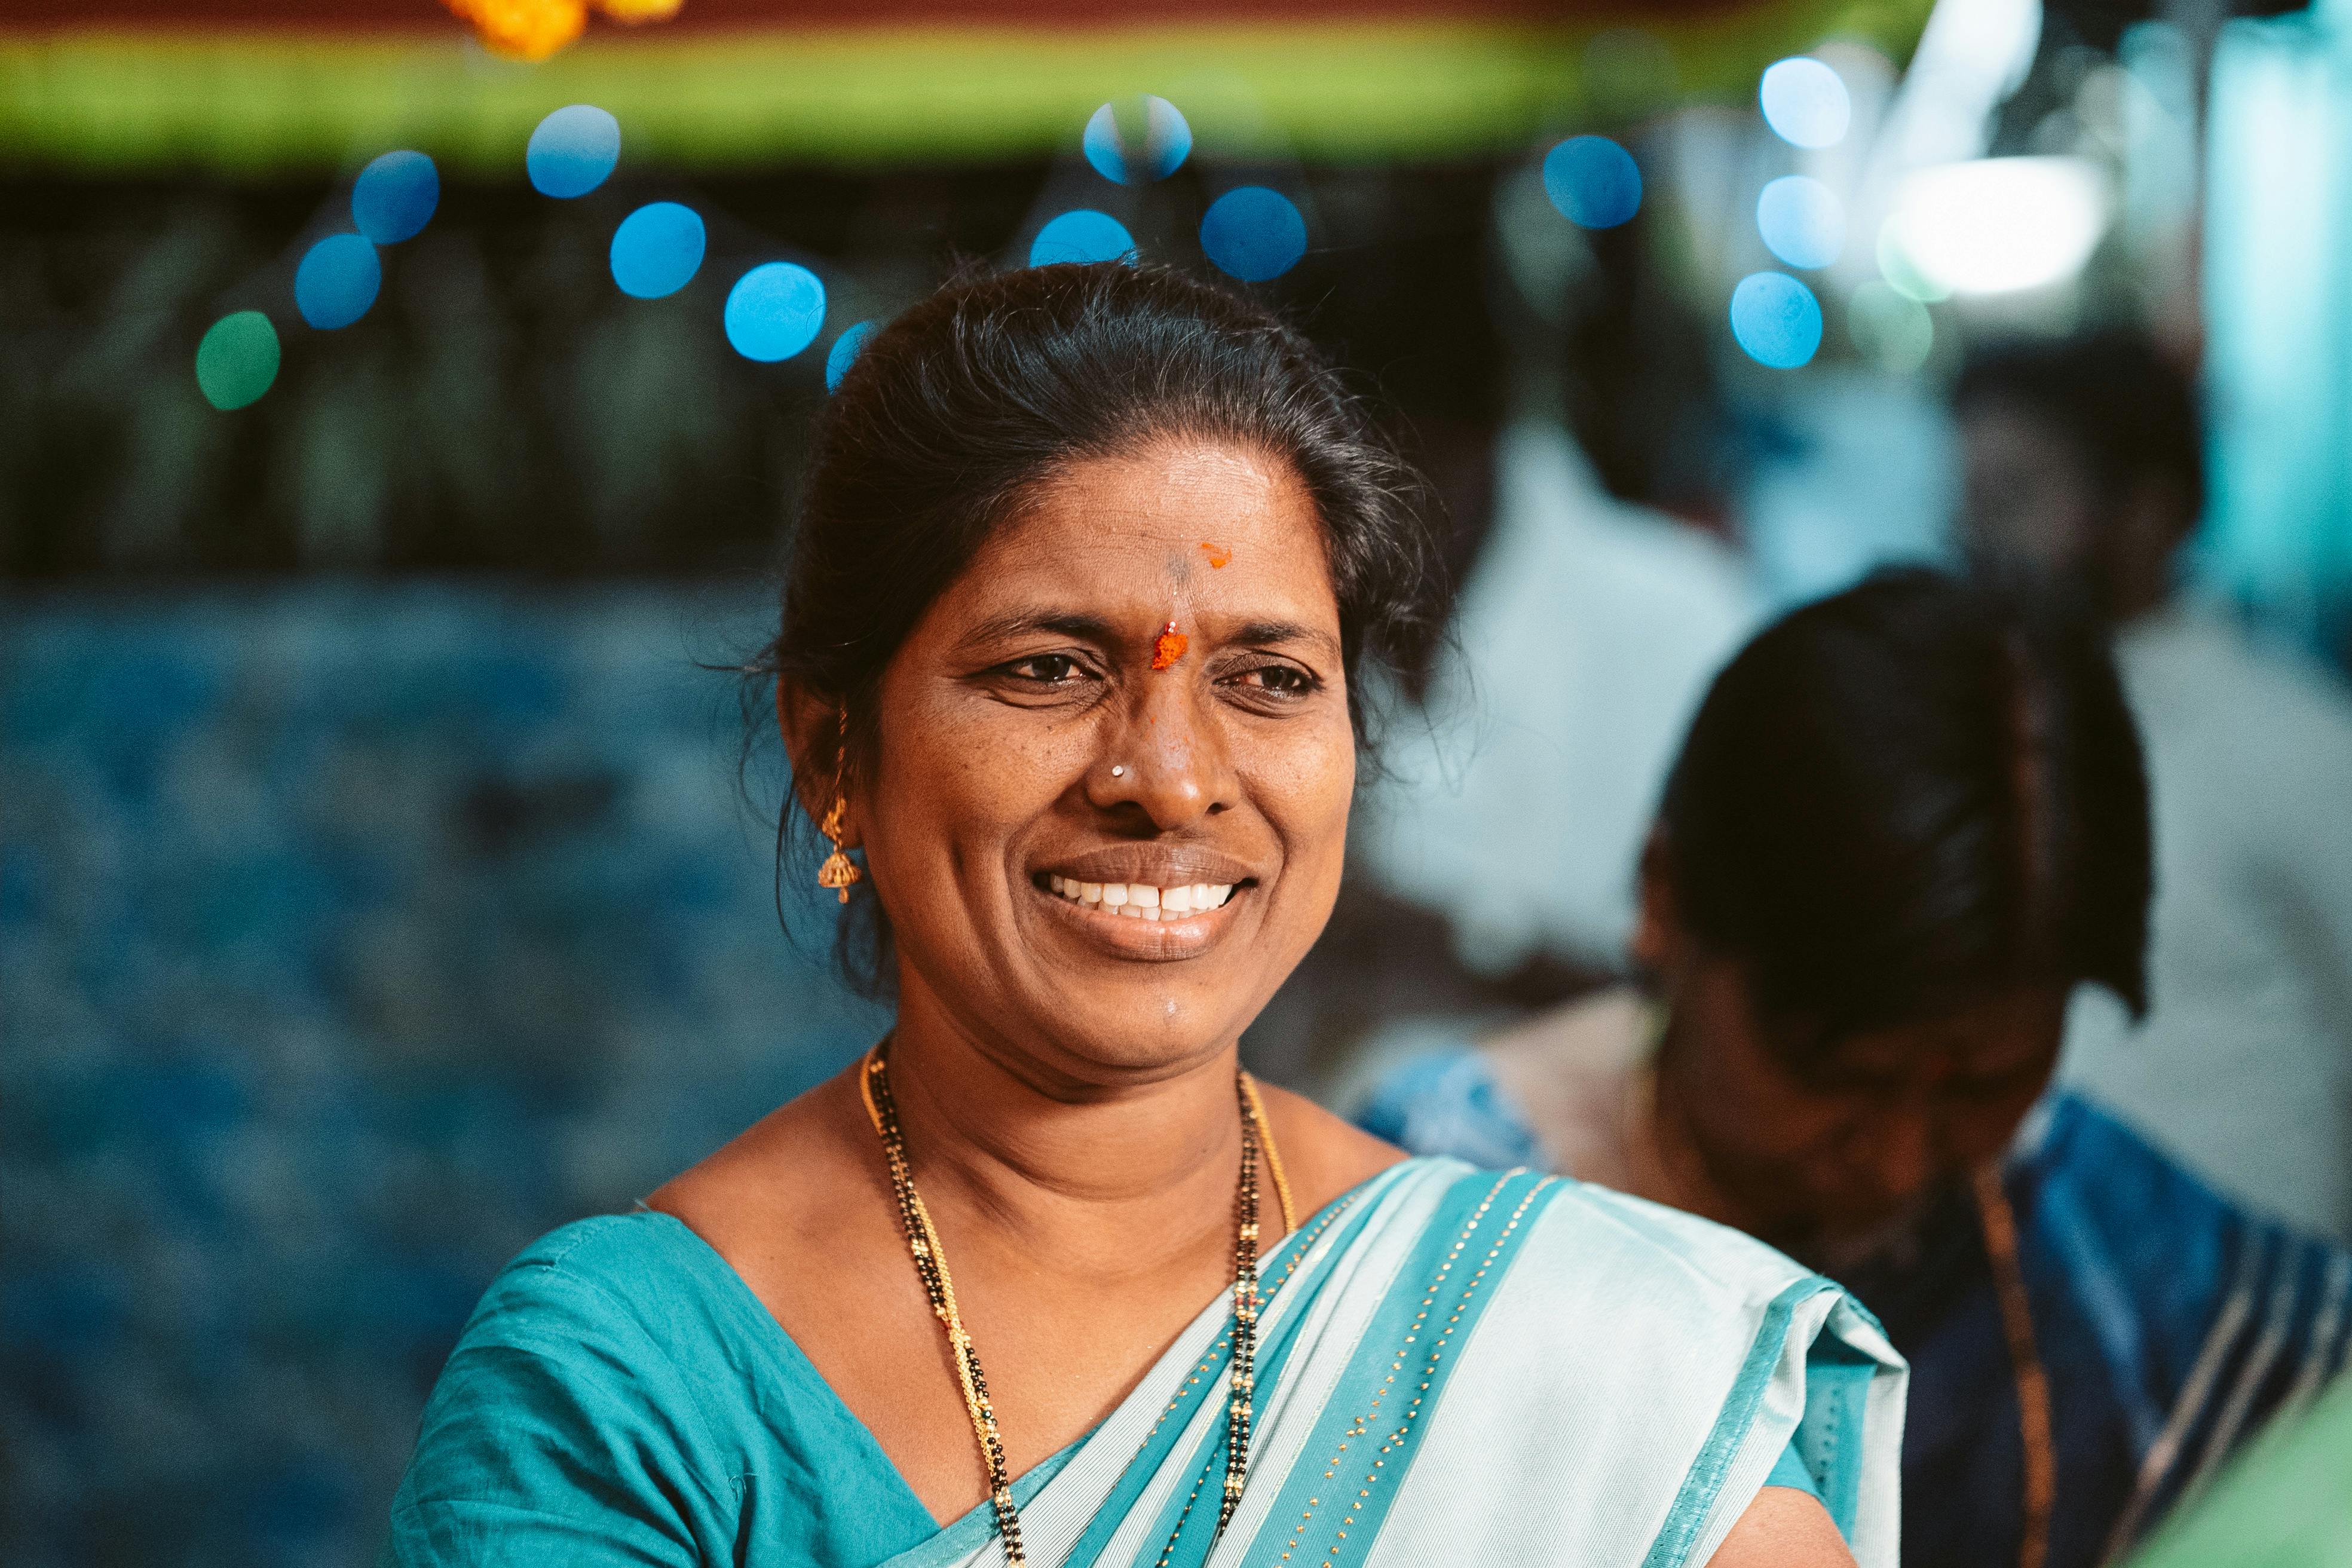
{"type": "Point", "coordinates": [1456, 1366]}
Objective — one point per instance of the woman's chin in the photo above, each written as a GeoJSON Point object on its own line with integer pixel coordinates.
{"type": "Point", "coordinates": [1141, 1025]}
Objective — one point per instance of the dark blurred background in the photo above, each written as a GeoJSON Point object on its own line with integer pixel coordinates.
{"type": "Point", "coordinates": [387, 870]}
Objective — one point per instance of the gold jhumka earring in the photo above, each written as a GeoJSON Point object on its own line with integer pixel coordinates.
{"type": "Point", "coordinates": [839, 871]}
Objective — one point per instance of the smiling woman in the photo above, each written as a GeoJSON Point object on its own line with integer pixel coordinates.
{"type": "Point", "coordinates": [1045, 1279]}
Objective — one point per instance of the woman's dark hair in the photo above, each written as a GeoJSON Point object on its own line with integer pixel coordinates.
{"type": "Point", "coordinates": [1908, 797]}
{"type": "Point", "coordinates": [957, 412]}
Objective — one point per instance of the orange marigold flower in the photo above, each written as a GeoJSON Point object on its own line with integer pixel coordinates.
{"type": "Point", "coordinates": [523, 29]}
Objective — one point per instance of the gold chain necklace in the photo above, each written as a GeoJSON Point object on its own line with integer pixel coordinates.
{"type": "Point", "coordinates": [1998, 1224]}
{"type": "Point", "coordinates": [931, 1267]}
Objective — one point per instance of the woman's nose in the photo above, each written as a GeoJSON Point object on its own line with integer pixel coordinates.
{"type": "Point", "coordinates": [1903, 1157]}
{"type": "Point", "coordinates": [1166, 762]}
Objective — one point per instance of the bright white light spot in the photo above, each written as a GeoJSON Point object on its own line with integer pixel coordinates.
{"type": "Point", "coordinates": [1892, 330]}
{"type": "Point", "coordinates": [1805, 102]}
{"type": "Point", "coordinates": [1991, 226]}
{"type": "Point", "coordinates": [1973, 55]}
{"type": "Point", "coordinates": [1801, 221]}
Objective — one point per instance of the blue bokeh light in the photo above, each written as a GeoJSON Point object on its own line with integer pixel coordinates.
{"type": "Point", "coordinates": [573, 149]}
{"type": "Point", "coordinates": [1083, 235]}
{"type": "Point", "coordinates": [845, 352]}
{"type": "Point", "coordinates": [774, 311]}
{"type": "Point", "coordinates": [1593, 182]}
{"type": "Point", "coordinates": [657, 249]}
{"type": "Point", "coordinates": [1805, 102]}
{"type": "Point", "coordinates": [1776, 320]}
{"type": "Point", "coordinates": [1167, 139]}
{"type": "Point", "coordinates": [337, 281]}
{"type": "Point", "coordinates": [1801, 220]}
{"type": "Point", "coordinates": [1254, 233]}
{"type": "Point", "coordinates": [394, 196]}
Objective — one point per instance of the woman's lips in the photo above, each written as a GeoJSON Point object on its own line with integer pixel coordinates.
{"type": "Point", "coordinates": [1140, 901]}
{"type": "Point", "coordinates": [1132, 930]}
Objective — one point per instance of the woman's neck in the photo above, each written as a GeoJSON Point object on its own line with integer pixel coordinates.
{"type": "Point", "coordinates": [1094, 1169]}
{"type": "Point", "coordinates": [1669, 1163]}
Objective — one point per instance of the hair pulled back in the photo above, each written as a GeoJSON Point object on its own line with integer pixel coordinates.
{"type": "Point", "coordinates": [956, 411]}
{"type": "Point", "coordinates": [962, 408]}
{"type": "Point", "coordinates": [1910, 796]}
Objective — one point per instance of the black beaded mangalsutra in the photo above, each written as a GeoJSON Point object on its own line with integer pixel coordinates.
{"type": "Point", "coordinates": [930, 1265]}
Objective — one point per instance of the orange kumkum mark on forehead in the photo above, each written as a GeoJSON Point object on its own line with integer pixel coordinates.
{"type": "Point", "coordinates": [1168, 647]}
{"type": "Point", "coordinates": [1217, 553]}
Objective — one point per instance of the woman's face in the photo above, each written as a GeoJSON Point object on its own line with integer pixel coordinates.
{"type": "Point", "coordinates": [1102, 847]}
{"type": "Point", "coordinates": [1889, 1118]}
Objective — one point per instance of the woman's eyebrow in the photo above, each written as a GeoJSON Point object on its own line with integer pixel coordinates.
{"type": "Point", "coordinates": [1260, 633]}
{"type": "Point", "coordinates": [1075, 625]}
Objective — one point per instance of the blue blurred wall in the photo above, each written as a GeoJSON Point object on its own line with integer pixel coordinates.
{"type": "Point", "coordinates": [350, 937]}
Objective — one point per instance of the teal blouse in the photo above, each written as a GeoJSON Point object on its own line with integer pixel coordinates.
{"type": "Point", "coordinates": [621, 1396]}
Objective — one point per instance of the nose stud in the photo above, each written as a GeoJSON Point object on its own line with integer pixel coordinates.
{"type": "Point", "coordinates": [1117, 771]}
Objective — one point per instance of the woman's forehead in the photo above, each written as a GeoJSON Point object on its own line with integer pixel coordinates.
{"type": "Point", "coordinates": [1210, 528]}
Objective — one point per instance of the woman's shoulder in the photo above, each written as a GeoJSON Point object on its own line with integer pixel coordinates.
{"type": "Point", "coordinates": [585, 1349]}
{"type": "Point", "coordinates": [642, 1272]}
{"type": "Point", "coordinates": [1708, 1258]}
{"type": "Point", "coordinates": [610, 1320]}
{"type": "Point", "coordinates": [1549, 1091]}
{"type": "Point", "coordinates": [1323, 1155]}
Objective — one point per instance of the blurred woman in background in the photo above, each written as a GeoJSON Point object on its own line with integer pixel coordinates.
{"type": "Point", "coordinates": [1907, 821]}
{"type": "Point", "coordinates": [1086, 562]}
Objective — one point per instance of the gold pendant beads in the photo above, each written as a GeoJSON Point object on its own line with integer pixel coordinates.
{"type": "Point", "coordinates": [931, 1267]}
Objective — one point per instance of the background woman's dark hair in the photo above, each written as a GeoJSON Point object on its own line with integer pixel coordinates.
{"type": "Point", "coordinates": [1910, 796]}
{"type": "Point", "coordinates": [962, 406]}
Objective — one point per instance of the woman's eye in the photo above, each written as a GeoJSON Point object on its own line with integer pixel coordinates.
{"type": "Point", "coordinates": [1285, 680]}
{"type": "Point", "coordinates": [1046, 669]}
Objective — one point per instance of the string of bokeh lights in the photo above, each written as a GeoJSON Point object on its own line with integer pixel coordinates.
{"type": "Point", "coordinates": [776, 309]}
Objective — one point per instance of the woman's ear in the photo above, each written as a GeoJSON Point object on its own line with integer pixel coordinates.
{"type": "Point", "coordinates": [1658, 943]}
{"type": "Point", "coordinates": [812, 730]}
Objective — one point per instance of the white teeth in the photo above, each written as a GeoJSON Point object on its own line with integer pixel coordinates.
{"type": "Point", "coordinates": [1140, 901]}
